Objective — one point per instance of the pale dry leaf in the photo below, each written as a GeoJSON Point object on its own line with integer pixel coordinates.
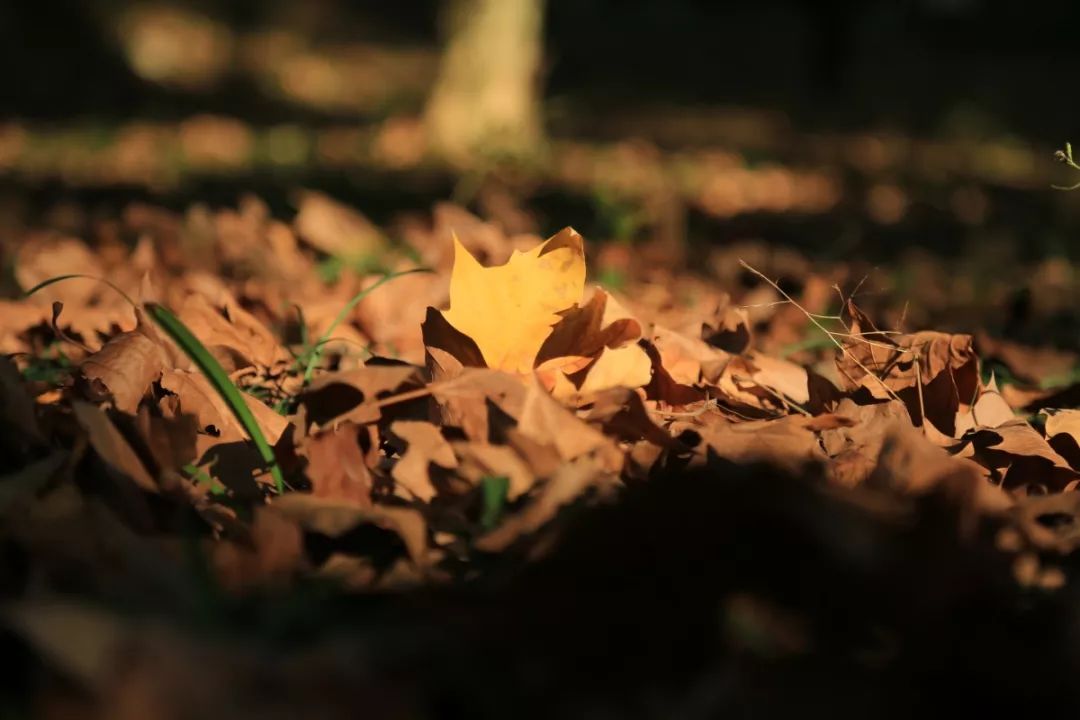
{"type": "Point", "coordinates": [689, 361]}
{"type": "Point", "coordinates": [43, 256]}
{"type": "Point", "coordinates": [336, 464]}
{"type": "Point", "coordinates": [782, 376]}
{"type": "Point", "coordinates": [571, 480]}
{"type": "Point", "coordinates": [546, 421]}
{"type": "Point", "coordinates": [195, 396]}
{"type": "Point", "coordinates": [990, 410]}
{"type": "Point", "coordinates": [1063, 434]}
{"type": "Point", "coordinates": [785, 441]}
{"type": "Point", "coordinates": [336, 229]}
{"type": "Point", "coordinates": [235, 337]}
{"type": "Point", "coordinates": [1019, 455]}
{"type": "Point", "coordinates": [335, 517]}
{"type": "Point", "coordinates": [353, 395]}
{"type": "Point", "coordinates": [124, 368]}
{"type": "Point", "coordinates": [479, 460]}
{"type": "Point", "coordinates": [628, 366]}
{"type": "Point", "coordinates": [424, 446]}
{"type": "Point", "coordinates": [111, 446]}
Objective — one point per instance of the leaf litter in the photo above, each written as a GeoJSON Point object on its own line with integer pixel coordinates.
{"type": "Point", "coordinates": [465, 423]}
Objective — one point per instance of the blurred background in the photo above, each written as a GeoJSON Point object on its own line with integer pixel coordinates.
{"type": "Point", "coordinates": [910, 139]}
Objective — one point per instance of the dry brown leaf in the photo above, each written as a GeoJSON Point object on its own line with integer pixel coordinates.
{"type": "Point", "coordinates": [393, 315]}
{"type": "Point", "coordinates": [111, 446]}
{"type": "Point", "coordinates": [989, 411]}
{"type": "Point", "coordinates": [688, 360]}
{"type": "Point", "coordinates": [584, 331]}
{"type": "Point", "coordinates": [424, 446]}
{"type": "Point", "coordinates": [564, 487]}
{"type": "Point", "coordinates": [463, 401]}
{"type": "Point", "coordinates": [622, 414]}
{"type": "Point", "coordinates": [547, 422]}
{"type": "Point", "coordinates": [336, 464]}
{"type": "Point", "coordinates": [353, 395]}
{"type": "Point", "coordinates": [785, 441]}
{"type": "Point", "coordinates": [42, 257]}
{"type": "Point", "coordinates": [478, 460]}
{"type": "Point", "coordinates": [1063, 434]}
{"type": "Point", "coordinates": [274, 551]}
{"type": "Point", "coordinates": [1018, 455]}
{"type": "Point", "coordinates": [336, 229]}
{"type": "Point", "coordinates": [335, 517]}
{"type": "Point", "coordinates": [124, 368]}
{"type": "Point", "coordinates": [933, 373]}
{"type": "Point", "coordinates": [195, 396]}
{"type": "Point", "coordinates": [232, 335]}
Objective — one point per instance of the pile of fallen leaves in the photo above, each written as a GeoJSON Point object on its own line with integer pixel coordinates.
{"type": "Point", "coordinates": [451, 420]}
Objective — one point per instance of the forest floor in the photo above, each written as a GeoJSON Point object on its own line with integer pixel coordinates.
{"type": "Point", "coordinates": [792, 433]}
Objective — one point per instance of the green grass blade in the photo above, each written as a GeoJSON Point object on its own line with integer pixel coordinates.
{"type": "Point", "coordinates": [493, 491]}
{"type": "Point", "coordinates": [219, 379]}
{"type": "Point", "coordinates": [74, 276]}
{"type": "Point", "coordinates": [317, 350]}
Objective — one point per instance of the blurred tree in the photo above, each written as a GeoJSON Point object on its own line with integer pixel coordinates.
{"type": "Point", "coordinates": [486, 99]}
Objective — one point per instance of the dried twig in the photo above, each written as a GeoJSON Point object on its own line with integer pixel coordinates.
{"type": "Point", "coordinates": [810, 316]}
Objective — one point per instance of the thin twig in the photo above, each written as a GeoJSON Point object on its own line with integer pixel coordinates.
{"type": "Point", "coordinates": [705, 407]}
{"type": "Point", "coordinates": [837, 343]}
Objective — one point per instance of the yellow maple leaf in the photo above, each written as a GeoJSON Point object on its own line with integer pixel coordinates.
{"type": "Point", "coordinates": [509, 310]}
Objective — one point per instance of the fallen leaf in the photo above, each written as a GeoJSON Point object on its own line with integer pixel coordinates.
{"type": "Point", "coordinates": [784, 442]}
{"type": "Point", "coordinates": [932, 372]}
{"type": "Point", "coordinates": [336, 464]}
{"type": "Point", "coordinates": [270, 555]}
{"type": "Point", "coordinates": [336, 229]}
{"type": "Point", "coordinates": [568, 483]}
{"type": "Point", "coordinates": [1063, 434]}
{"type": "Point", "coordinates": [509, 310]}
{"type": "Point", "coordinates": [990, 411]}
{"type": "Point", "coordinates": [546, 421]}
{"type": "Point", "coordinates": [353, 395]}
{"type": "Point", "coordinates": [43, 256]}
{"type": "Point", "coordinates": [232, 335]}
{"type": "Point", "coordinates": [111, 446]}
{"type": "Point", "coordinates": [628, 366]}
{"type": "Point", "coordinates": [123, 370]}
{"type": "Point", "coordinates": [688, 360]}
{"type": "Point", "coordinates": [1018, 455]}
{"type": "Point", "coordinates": [195, 396]}
{"type": "Point", "coordinates": [335, 517]}
{"type": "Point", "coordinates": [424, 446]}
{"type": "Point", "coordinates": [479, 460]}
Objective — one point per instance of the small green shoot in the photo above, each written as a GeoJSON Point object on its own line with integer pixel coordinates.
{"type": "Point", "coordinates": [493, 490]}
{"type": "Point", "coordinates": [1065, 157]}
{"type": "Point", "coordinates": [315, 355]}
{"type": "Point", "coordinates": [219, 379]}
{"type": "Point", "coordinates": [50, 368]}
{"type": "Point", "coordinates": [612, 279]}
{"type": "Point", "coordinates": [201, 478]}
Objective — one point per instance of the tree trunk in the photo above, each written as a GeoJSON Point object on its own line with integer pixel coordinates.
{"type": "Point", "coordinates": [486, 99]}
